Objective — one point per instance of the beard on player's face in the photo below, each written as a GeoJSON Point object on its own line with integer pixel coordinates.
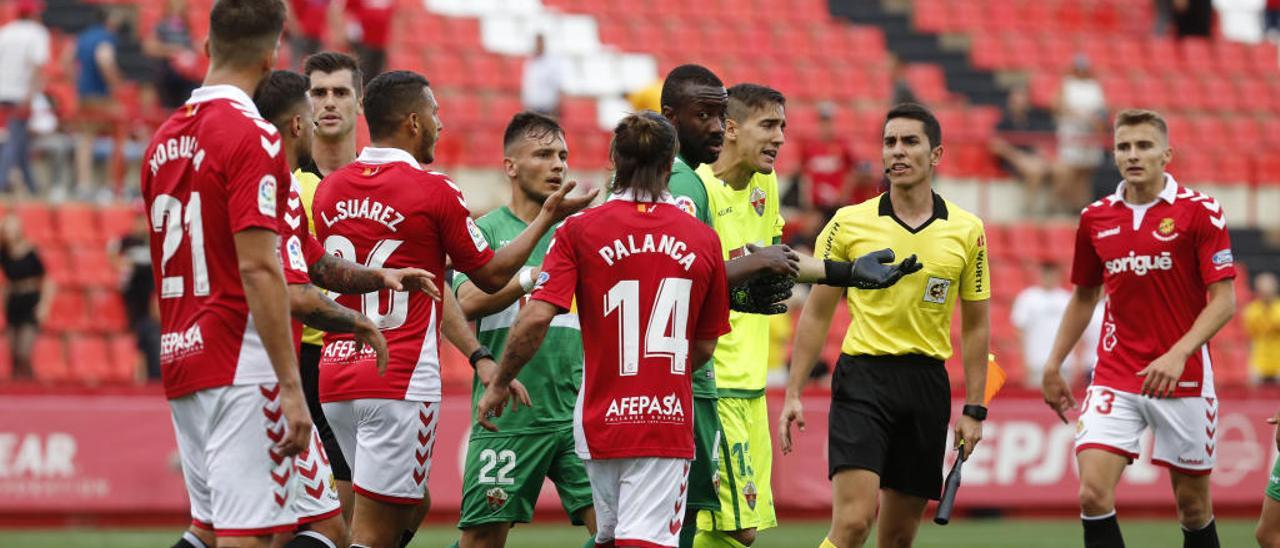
{"type": "Point", "coordinates": [699, 148]}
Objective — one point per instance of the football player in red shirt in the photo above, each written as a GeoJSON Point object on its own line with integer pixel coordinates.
{"type": "Point", "coordinates": [385, 209]}
{"type": "Point", "coordinates": [648, 282]}
{"type": "Point", "coordinates": [213, 181]}
{"type": "Point", "coordinates": [1161, 253]}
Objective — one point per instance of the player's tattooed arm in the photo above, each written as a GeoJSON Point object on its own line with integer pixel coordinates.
{"type": "Point", "coordinates": [523, 341]}
{"type": "Point", "coordinates": [343, 276]}
{"type": "Point", "coordinates": [310, 306]}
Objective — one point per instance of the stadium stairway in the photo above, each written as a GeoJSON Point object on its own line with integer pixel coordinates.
{"type": "Point", "coordinates": [913, 46]}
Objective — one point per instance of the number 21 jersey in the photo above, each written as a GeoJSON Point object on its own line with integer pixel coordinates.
{"type": "Point", "coordinates": [649, 279]}
{"type": "Point", "coordinates": [213, 169]}
{"type": "Point", "coordinates": [385, 211]}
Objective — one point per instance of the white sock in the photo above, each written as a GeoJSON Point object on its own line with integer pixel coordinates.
{"type": "Point", "coordinates": [193, 539]}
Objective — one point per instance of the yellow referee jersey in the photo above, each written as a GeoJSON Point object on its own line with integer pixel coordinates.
{"type": "Point", "coordinates": [741, 217]}
{"type": "Point", "coordinates": [309, 181]}
{"type": "Point", "coordinates": [913, 316]}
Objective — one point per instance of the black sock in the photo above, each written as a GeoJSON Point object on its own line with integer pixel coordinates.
{"type": "Point", "coordinates": [407, 537]}
{"type": "Point", "coordinates": [189, 540]}
{"type": "Point", "coordinates": [309, 539]}
{"type": "Point", "coordinates": [1102, 532]}
{"type": "Point", "coordinates": [1206, 537]}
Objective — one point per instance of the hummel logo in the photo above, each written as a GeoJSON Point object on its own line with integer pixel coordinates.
{"type": "Point", "coordinates": [265, 126]}
{"type": "Point", "coordinates": [294, 202]}
{"type": "Point", "coordinates": [293, 221]}
{"type": "Point", "coordinates": [1212, 205]}
{"type": "Point", "coordinates": [1219, 221]}
{"type": "Point", "coordinates": [1108, 233]}
{"type": "Point", "coordinates": [272, 148]}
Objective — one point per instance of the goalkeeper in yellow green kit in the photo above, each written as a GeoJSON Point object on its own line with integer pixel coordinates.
{"type": "Point", "coordinates": [737, 195]}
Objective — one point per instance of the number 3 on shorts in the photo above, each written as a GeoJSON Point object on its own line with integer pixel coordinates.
{"type": "Point", "coordinates": [492, 459]}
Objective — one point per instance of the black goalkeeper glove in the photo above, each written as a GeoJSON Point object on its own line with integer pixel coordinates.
{"type": "Point", "coordinates": [870, 271]}
{"type": "Point", "coordinates": [765, 294]}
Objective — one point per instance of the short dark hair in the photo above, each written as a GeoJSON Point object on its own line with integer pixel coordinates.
{"type": "Point", "coordinates": [1137, 116]}
{"type": "Point", "coordinates": [917, 111]}
{"type": "Point", "coordinates": [389, 97]}
{"type": "Point", "coordinates": [673, 88]}
{"type": "Point", "coordinates": [643, 150]}
{"type": "Point", "coordinates": [530, 124]}
{"type": "Point", "coordinates": [242, 31]}
{"type": "Point", "coordinates": [278, 94]}
{"type": "Point", "coordinates": [331, 61]}
{"type": "Point", "coordinates": [746, 98]}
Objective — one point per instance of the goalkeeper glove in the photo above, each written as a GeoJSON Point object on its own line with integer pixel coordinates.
{"type": "Point", "coordinates": [766, 294]}
{"type": "Point", "coordinates": [870, 271]}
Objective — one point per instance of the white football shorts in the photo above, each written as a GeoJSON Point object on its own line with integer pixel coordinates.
{"type": "Point", "coordinates": [1185, 429]}
{"type": "Point", "coordinates": [388, 444]}
{"type": "Point", "coordinates": [640, 501]}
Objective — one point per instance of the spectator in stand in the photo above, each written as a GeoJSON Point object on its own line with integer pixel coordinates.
{"type": "Point", "coordinates": [133, 257]}
{"type": "Point", "coordinates": [1037, 313]}
{"type": "Point", "coordinates": [308, 25]}
{"type": "Point", "coordinates": [1017, 144]}
{"type": "Point", "coordinates": [1193, 17]}
{"type": "Point", "coordinates": [901, 91]}
{"type": "Point", "coordinates": [1262, 323]}
{"type": "Point", "coordinates": [1081, 110]}
{"type": "Point", "coordinates": [1272, 20]}
{"type": "Point", "coordinates": [27, 296]}
{"type": "Point", "coordinates": [371, 33]}
{"type": "Point", "coordinates": [178, 66]}
{"type": "Point", "coordinates": [543, 80]}
{"type": "Point", "coordinates": [98, 79]}
{"type": "Point", "coordinates": [24, 50]}
{"type": "Point", "coordinates": [830, 173]}
{"type": "Point", "coordinates": [1241, 20]}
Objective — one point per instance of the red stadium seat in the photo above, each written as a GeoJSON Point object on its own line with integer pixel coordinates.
{"type": "Point", "coordinates": [126, 360]}
{"type": "Point", "coordinates": [117, 220]}
{"type": "Point", "coordinates": [89, 358]}
{"type": "Point", "coordinates": [48, 359]}
{"type": "Point", "coordinates": [67, 312]}
{"type": "Point", "coordinates": [107, 313]}
{"type": "Point", "coordinates": [37, 222]}
{"type": "Point", "coordinates": [93, 268]}
{"type": "Point", "coordinates": [6, 360]}
{"type": "Point", "coordinates": [77, 223]}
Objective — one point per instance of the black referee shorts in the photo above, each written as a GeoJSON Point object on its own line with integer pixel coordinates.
{"type": "Point", "coordinates": [889, 415]}
{"type": "Point", "coordinates": [309, 362]}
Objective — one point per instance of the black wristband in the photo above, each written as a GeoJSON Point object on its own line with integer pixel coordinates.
{"type": "Point", "coordinates": [975, 412]}
{"type": "Point", "coordinates": [836, 272]}
{"type": "Point", "coordinates": [481, 353]}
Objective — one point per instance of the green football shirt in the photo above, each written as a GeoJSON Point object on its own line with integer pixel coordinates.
{"type": "Point", "coordinates": [554, 374]}
{"type": "Point", "coordinates": [686, 187]}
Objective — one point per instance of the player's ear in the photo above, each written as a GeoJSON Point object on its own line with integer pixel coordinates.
{"type": "Point", "coordinates": [668, 113]}
{"type": "Point", "coordinates": [1168, 154]}
{"type": "Point", "coordinates": [730, 129]}
{"type": "Point", "coordinates": [296, 126]}
{"type": "Point", "coordinates": [509, 166]}
{"type": "Point", "coordinates": [935, 156]}
{"type": "Point", "coordinates": [413, 124]}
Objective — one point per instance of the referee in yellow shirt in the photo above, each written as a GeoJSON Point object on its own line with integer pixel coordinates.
{"type": "Point", "coordinates": [890, 397]}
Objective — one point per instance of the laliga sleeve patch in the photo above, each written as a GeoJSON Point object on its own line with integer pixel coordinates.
{"type": "Point", "coordinates": [294, 250]}
{"type": "Point", "coordinates": [267, 195]}
{"type": "Point", "coordinates": [542, 279]}
{"type": "Point", "coordinates": [686, 203]}
{"type": "Point", "coordinates": [477, 237]}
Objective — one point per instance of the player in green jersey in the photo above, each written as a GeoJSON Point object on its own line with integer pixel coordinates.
{"type": "Point", "coordinates": [504, 471]}
{"type": "Point", "coordinates": [737, 195]}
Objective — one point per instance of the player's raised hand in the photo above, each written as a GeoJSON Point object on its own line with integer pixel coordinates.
{"type": "Point", "coordinates": [491, 404]}
{"type": "Point", "coordinates": [778, 260]}
{"type": "Point", "coordinates": [367, 333]}
{"type": "Point", "coordinates": [1162, 375]}
{"type": "Point", "coordinates": [297, 435]}
{"type": "Point", "coordinates": [1057, 395]}
{"type": "Point", "coordinates": [1275, 420]}
{"type": "Point", "coordinates": [792, 411]}
{"type": "Point", "coordinates": [410, 279]}
{"type": "Point", "coordinates": [559, 205]}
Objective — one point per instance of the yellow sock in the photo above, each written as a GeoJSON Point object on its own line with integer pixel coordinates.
{"type": "Point", "coordinates": [826, 543]}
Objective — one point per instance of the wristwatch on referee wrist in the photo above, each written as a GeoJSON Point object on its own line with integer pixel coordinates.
{"type": "Point", "coordinates": [975, 412]}
{"type": "Point", "coordinates": [481, 353]}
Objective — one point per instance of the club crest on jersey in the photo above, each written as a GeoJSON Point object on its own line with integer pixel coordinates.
{"type": "Point", "coordinates": [936, 289]}
{"type": "Point", "coordinates": [749, 494]}
{"type": "Point", "coordinates": [686, 203]}
{"type": "Point", "coordinates": [758, 201]}
{"type": "Point", "coordinates": [496, 498]}
{"type": "Point", "coordinates": [1165, 232]}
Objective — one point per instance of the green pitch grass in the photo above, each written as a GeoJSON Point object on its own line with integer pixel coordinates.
{"type": "Point", "coordinates": [966, 533]}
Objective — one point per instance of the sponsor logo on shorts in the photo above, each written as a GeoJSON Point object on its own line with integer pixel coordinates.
{"type": "Point", "coordinates": [749, 494]}
{"type": "Point", "coordinates": [496, 498]}
{"type": "Point", "coordinates": [936, 289]}
{"type": "Point", "coordinates": [179, 345]}
{"type": "Point", "coordinates": [1193, 462]}
{"type": "Point", "coordinates": [645, 410]}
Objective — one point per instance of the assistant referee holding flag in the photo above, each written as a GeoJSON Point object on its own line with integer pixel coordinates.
{"type": "Point", "coordinates": [890, 397]}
